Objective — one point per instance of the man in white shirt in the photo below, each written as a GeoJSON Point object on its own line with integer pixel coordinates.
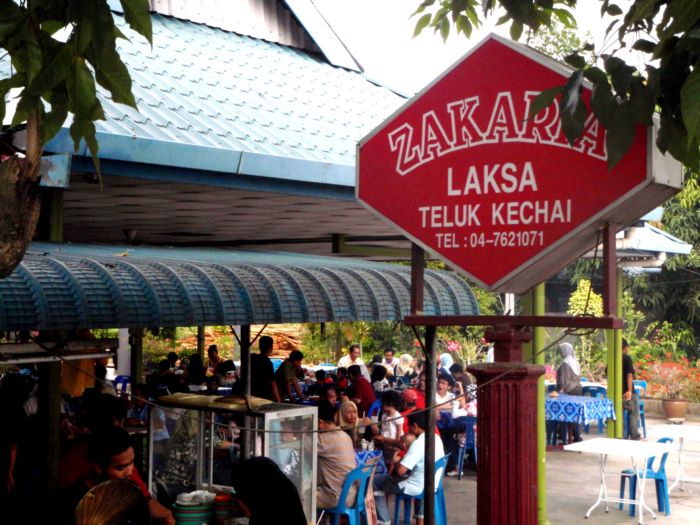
{"type": "Point", "coordinates": [353, 358]}
{"type": "Point", "coordinates": [413, 464]}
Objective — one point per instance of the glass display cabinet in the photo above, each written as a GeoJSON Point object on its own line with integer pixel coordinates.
{"type": "Point", "coordinates": [196, 440]}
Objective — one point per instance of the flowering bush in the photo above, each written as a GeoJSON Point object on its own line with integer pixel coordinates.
{"type": "Point", "coordinates": [672, 378]}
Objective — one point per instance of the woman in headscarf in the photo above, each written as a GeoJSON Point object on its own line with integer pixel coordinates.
{"type": "Point", "coordinates": [405, 366]}
{"type": "Point", "coordinates": [569, 372]}
{"type": "Point", "coordinates": [569, 382]}
{"type": "Point", "coordinates": [445, 364]}
{"type": "Point", "coordinates": [350, 422]}
{"type": "Point", "coordinates": [256, 481]}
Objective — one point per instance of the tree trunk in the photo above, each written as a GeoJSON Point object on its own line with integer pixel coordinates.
{"type": "Point", "coordinates": [19, 200]}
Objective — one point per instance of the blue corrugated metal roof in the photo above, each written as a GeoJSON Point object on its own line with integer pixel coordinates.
{"type": "Point", "coordinates": [65, 287]}
{"type": "Point", "coordinates": [214, 100]}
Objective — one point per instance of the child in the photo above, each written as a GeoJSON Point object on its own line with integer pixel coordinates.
{"type": "Point", "coordinates": [391, 428]}
{"type": "Point", "coordinates": [406, 440]}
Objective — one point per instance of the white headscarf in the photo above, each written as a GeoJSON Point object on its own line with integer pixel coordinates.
{"type": "Point", "coordinates": [446, 361]}
{"type": "Point", "coordinates": [405, 365]}
{"type": "Point", "coordinates": [567, 353]}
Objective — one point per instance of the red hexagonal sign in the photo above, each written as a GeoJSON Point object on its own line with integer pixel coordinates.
{"type": "Point", "coordinates": [463, 172]}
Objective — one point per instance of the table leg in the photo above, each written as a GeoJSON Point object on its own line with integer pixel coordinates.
{"type": "Point", "coordinates": [641, 505]}
{"type": "Point", "coordinates": [679, 474]}
{"type": "Point", "coordinates": [603, 490]}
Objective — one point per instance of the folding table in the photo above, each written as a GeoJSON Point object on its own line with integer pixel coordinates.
{"type": "Point", "coordinates": [638, 451]}
{"type": "Point", "coordinates": [679, 433]}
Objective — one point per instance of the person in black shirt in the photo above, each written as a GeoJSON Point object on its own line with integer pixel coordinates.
{"type": "Point", "coordinates": [262, 375]}
{"type": "Point", "coordinates": [629, 398]}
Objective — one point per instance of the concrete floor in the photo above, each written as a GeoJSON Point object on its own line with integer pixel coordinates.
{"type": "Point", "coordinates": [572, 487]}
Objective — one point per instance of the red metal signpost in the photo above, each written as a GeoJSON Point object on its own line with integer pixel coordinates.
{"type": "Point", "coordinates": [464, 172]}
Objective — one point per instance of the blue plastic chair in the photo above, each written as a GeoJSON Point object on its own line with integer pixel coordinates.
{"type": "Point", "coordinates": [595, 391]}
{"type": "Point", "coordinates": [121, 384]}
{"type": "Point", "coordinates": [359, 476]}
{"type": "Point", "coordinates": [440, 506]}
{"type": "Point", "coordinates": [640, 388]}
{"type": "Point", "coordinates": [551, 388]}
{"type": "Point", "coordinates": [375, 408]}
{"type": "Point", "coordinates": [658, 475]}
{"type": "Point", "coordinates": [469, 444]}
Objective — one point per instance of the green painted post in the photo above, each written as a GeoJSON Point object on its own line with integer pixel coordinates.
{"type": "Point", "coordinates": [619, 427]}
{"type": "Point", "coordinates": [528, 309]}
{"type": "Point", "coordinates": [612, 379]}
{"type": "Point", "coordinates": [538, 308]}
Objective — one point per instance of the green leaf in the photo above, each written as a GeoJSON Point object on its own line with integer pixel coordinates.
{"type": "Point", "coordinates": [690, 105]}
{"type": "Point", "coordinates": [646, 46]}
{"type": "Point", "coordinates": [52, 26]}
{"type": "Point", "coordinates": [544, 99]}
{"type": "Point", "coordinates": [81, 89]}
{"type": "Point", "coordinates": [613, 10]}
{"type": "Point", "coordinates": [12, 18]}
{"type": "Point", "coordinates": [572, 109]}
{"type": "Point", "coordinates": [565, 17]}
{"type": "Point", "coordinates": [113, 75]}
{"type": "Point", "coordinates": [643, 9]}
{"type": "Point", "coordinates": [603, 103]}
{"type": "Point", "coordinates": [444, 29]}
{"type": "Point", "coordinates": [83, 35]}
{"type": "Point", "coordinates": [620, 134]}
{"type": "Point", "coordinates": [25, 106]}
{"type": "Point", "coordinates": [6, 84]}
{"type": "Point", "coordinates": [54, 72]}
{"type": "Point", "coordinates": [685, 14]}
{"type": "Point", "coordinates": [516, 30]}
{"type": "Point", "coordinates": [31, 57]}
{"type": "Point", "coordinates": [575, 60]}
{"type": "Point", "coordinates": [422, 23]}
{"type": "Point", "coordinates": [595, 75]}
{"type": "Point", "coordinates": [137, 16]}
{"type": "Point", "coordinates": [55, 118]}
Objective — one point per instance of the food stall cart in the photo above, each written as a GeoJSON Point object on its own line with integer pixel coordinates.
{"type": "Point", "coordinates": [195, 442]}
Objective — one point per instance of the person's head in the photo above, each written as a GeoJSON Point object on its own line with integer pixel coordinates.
{"type": "Point", "coordinates": [388, 355]}
{"type": "Point", "coordinates": [326, 414]}
{"type": "Point", "coordinates": [443, 384]}
{"type": "Point", "coordinates": [446, 361]}
{"type": "Point", "coordinates": [566, 350]}
{"type": "Point", "coordinates": [330, 394]}
{"type": "Point", "coordinates": [173, 359]}
{"type": "Point", "coordinates": [265, 344]}
{"type": "Point", "coordinates": [410, 398]}
{"type": "Point", "coordinates": [457, 371]}
{"type": "Point", "coordinates": [111, 453]}
{"type": "Point", "coordinates": [164, 367]}
{"type": "Point", "coordinates": [354, 372]}
{"type": "Point", "coordinates": [378, 372]}
{"type": "Point", "coordinates": [375, 360]}
{"type": "Point", "coordinates": [213, 352]}
{"type": "Point", "coordinates": [407, 439]}
{"type": "Point", "coordinates": [139, 394]}
{"type": "Point", "coordinates": [320, 375]}
{"type": "Point", "coordinates": [100, 371]}
{"type": "Point", "coordinates": [354, 351]}
{"type": "Point", "coordinates": [348, 413]}
{"type": "Point", "coordinates": [625, 346]}
{"type": "Point", "coordinates": [105, 411]}
{"type": "Point", "coordinates": [391, 401]}
{"type": "Point", "coordinates": [421, 382]}
{"type": "Point", "coordinates": [417, 422]}
{"type": "Point", "coordinates": [296, 357]}
{"type": "Point", "coordinates": [341, 373]}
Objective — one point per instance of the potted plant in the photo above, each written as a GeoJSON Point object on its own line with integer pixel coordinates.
{"type": "Point", "coordinates": [670, 380]}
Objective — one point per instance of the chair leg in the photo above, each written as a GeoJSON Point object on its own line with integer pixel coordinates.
{"type": "Point", "coordinates": [600, 426]}
{"type": "Point", "coordinates": [460, 461]}
{"type": "Point", "coordinates": [643, 422]}
{"type": "Point", "coordinates": [623, 479]}
{"type": "Point", "coordinates": [633, 493]}
{"type": "Point", "coordinates": [407, 511]}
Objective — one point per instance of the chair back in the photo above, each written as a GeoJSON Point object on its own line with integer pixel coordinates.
{"type": "Point", "coordinates": [440, 464]}
{"type": "Point", "coordinates": [642, 385]}
{"type": "Point", "coordinates": [595, 391]}
{"type": "Point", "coordinates": [470, 438]}
{"type": "Point", "coordinates": [121, 383]}
{"type": "Point", "coordinates": [664, 457]}
{"type": "Point", "coordinates": [359, 475]}
{"type": "Point", "coordinates": [551, 388]}
{"type": "Point", "coordinates": [374, 408]}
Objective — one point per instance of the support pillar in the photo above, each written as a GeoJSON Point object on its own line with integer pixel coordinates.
{"type": "Point", "coordinates": [246, 436]}
{"type": "Point", "coordinates": [507, 399]}
{"type": "Point", "coordinates": [611, 308]}
{"type": "Point", "coordinates": [136, 344]}
{"type": "Point", "coordinates": [538, 308]}
{"type": "Point", "coordinates": [430, 391]}
{"type": "Point", "coordinates": [200, 343]}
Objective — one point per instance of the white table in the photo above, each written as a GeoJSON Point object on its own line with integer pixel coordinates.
{"type": "Point", "coordinates": [679, 433]}
{"type": "Point", "coordinates": [638, 451]}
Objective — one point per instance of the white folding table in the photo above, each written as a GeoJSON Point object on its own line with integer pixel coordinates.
{"type": "Point", "coordinates": [638, 451]}
{"type": "Point", "coordinates": [679, 433]}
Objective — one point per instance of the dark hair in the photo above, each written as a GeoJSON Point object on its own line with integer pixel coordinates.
{"type": "Point", "coordinates": [378, 373]}
{"type": "Point", "coordinates": [376, 359]}
{"type": "Point", "coordinates": [419, 418]}
{"type": "Point", "coordinates": [224, 367]}
{"type": "Point", "coordinates": [100, 371]}
{"type": "Point", "coordinates": [456, 368]}
{"type": "Point", "coordinates": [389, 351]}
{"type": "Point", "coordinates": [624, 342]}
{"type": "Point", "coordinates": [172, 357]}
{"type": "Point", "coordinates": [164, 366]}
{"type": "Point", "coordinates": [444, 377]}
{"type": "Point", "coordinates": [392, 398]}
{"type": "Point", "coordinates": [341, 370]}
{"type": "Point", "coordinates": [320, 375]}
{"type": "Point", "coordinates": [213, 348]}
{"type": "Point", "coordinates": [107, 443]}
{"type": "Point", "coordinates": [104, 410]}
{"type": "Point", "coordinates": [326, 411]}
{"type": "Point", "coordinates": [354, 371]}
{"type": "Point", "coordinates": [296, 355]}
{"type": "Point", "coordinates": [352, 347]}
{"type": "Point", "coordinates": [265, 344]}
{"type": "Point", "coordinates": [326, 389]}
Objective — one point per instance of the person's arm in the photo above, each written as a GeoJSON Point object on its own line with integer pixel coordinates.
{"type": "Point", "coordinates": [275, 391]}
{"type": "Point", "coordinates": [401, 470]}
{"type": "Point", "coordinates": [630, 387]}
{"type": "Point", "coordinates": [159, 513]}
{"type": "Point", "coordinates": [295, 384]}
{"type": "Point", "coordinates": [11, 468]}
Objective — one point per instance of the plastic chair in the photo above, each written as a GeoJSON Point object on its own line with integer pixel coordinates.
{"type": "Point", "coordinates": [359, 476]}
{"type": "Point", "coordinates": [658, 475]}
{"type": "Point", "coordinates": [640, 388]}
{"type": "Point", "coordinates": [551, 388]}
{"type": "Point", "coordinates": [469, 444]}
{"type": "Point", "coordinates": [440, 506]}
{"type": "Point", "coordinates": [595, 391]}
{"type": "Point", "coordinates": [375, 408]}
{"type": "Point", "coordinates": [122, 384]}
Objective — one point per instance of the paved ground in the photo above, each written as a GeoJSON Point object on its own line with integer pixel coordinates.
{"type": "Point", "coordinates": [572, 487]}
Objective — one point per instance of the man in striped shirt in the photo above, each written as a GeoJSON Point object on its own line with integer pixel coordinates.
{"type": "Point", "coordinates": [336, 457]}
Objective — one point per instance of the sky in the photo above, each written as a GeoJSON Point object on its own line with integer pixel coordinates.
{"type": "Point", "coordinates": [379, 33]}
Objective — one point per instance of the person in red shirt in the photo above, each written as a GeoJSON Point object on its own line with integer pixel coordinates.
{"type": "Point", "coordinates": [362, 392]}
{"type": "Point", "coordinates": [419, 390]}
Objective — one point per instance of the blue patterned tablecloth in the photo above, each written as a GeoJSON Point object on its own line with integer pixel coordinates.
{"type": "Point", "coordinates": [578, 409]}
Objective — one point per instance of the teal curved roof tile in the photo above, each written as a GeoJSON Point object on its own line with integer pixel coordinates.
{"type": "Point", "coordinates": [66, 287]}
